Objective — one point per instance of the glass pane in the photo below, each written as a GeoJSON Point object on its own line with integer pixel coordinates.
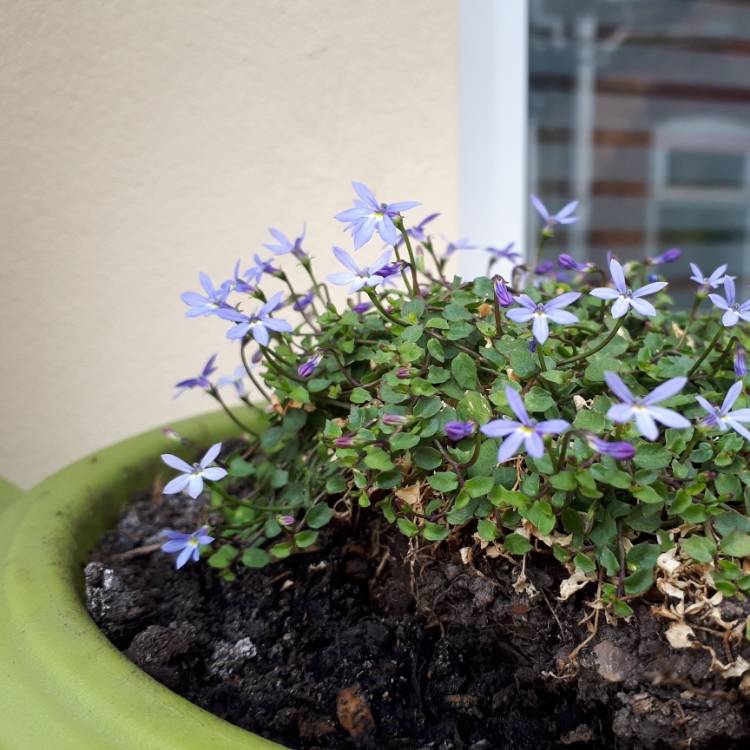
{"type": "Point", "coordinates": [641, 110]}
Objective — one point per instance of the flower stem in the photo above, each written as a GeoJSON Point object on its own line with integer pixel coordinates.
{"type": "Point", "coordinates": [563, 450]}
{"type": "Point", "coordinates": [250, 374]}
{"type": "Point", "coordinates": [307, 265]}
{"type": "Point", "coordinates": [693, 310]}
{"type": "Point", "coordinates": [540, 355]}
{"type": "Point", "coordinates": [598, 347]}
{"type": "Point", "coordinates": [498, 314]}
{"type": "Point", "coordinates": [706, 352]}
{"type": "Point", "coordinates": [415, 284]}
{"type": "Point", "coordinates": [375, 301]}
{"type": "Point", "coordinates": [214, 393]}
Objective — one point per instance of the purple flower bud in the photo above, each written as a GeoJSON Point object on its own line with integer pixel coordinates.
{"type": "Point", "coordinates": [403, 372]}
{"type": "Point", "coordinates": [620, 451]}
{"type": "Point", "coordinates": [346, 441]}
{"type": "Point", "coordinates": [394, 419]}
{"type": "Point", "coordinates": [308, 367]}
{"type": "Point", "coordinates": [502, 294]}
{"type": "Point", "coordinates": [390, 270]}
{"type": "Point", "coordinates": [652, 277]}
{"type": "Point", "coordinates": [544, 267]}
{"type": "Point", "coordinates": [257, 357]}
{"type": "Point", "coordinates": [668, 256]}
{"type": "Point", "coordinates": [532, 344]}
{"type": "Point", "coordinates": [456, 431]}
{"type": "Point", "coordinates": [285, 520]}
{"type": "Point", "coordinates": [304, 301]}
{"type": "Point", "coordinates": [361, 307]}
{"type": "Point", "coordinates": [569, 263]}
{"type": "Point", "coordinates": [740, 363]}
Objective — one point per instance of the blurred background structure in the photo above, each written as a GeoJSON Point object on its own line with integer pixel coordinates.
{"type": "Point", "coordinates": [142, 142]}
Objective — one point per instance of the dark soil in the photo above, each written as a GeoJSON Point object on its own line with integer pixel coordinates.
{"type": "Point", "coordinates": [360, 644]}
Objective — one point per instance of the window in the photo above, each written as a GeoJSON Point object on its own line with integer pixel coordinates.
{"type": "Point", "coordinates": [640, 109]}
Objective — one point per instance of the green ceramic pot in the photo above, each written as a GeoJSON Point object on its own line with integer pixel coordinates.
{"type": "Point", "coordinates": [62, 684]}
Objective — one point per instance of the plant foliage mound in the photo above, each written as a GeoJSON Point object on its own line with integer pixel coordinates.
{"type": "Point", "coordinates": [571, 409]}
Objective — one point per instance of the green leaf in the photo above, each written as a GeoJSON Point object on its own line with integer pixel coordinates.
{"type": "Point", "coordinates": [541, 515]}
{"type": "Point", "coordinates": [700, 548]}
{"type": "Point", "coordinates": [427, 458]}
{"type": "Point", "coordinates": [238, 467]}
{"type": "Point", "coordinates": [736, 544]}
{"type": "Point", "coordinates": [223, 557]}
{"type": "Point", "coordinates": [410, 352]}
{"type": "Point", "coordinates": [359, 396]}
{"type": "Point", "coordinates": [652, 456]}
{"type": "Point", "coordinates": [639, 582]}
{"type": "Point", "coordinates": [443, 481]}
{"type": "Point", "coordinates": [564, 480]}
{"type": "Point", "coordinates": [474, 407]}
{"type": "Point", "coordinates": [435, 348]}
{"type": "Point", "coordinates": [464, 371]}
{"type": "Point", "coordinates": [412, 333]}
{"type": "Point", "coordinates": [335, 485]}
{"type": "Point", "coordinates": [478, 486]}
{"type": "Point", "coordinates": [584, 563]}
{"type": "Point", "coordinates": [487, 530]}
{"type": "Point", "coordinates": [456, 311]}
{"type": "Point", "coordinates": [409, 528]}
{"type": "Point", "coordinates": [255, 557]}
{"type": "Point", "coordinates": [538, 400]}
{"type": "Point", "coordinates": [318, 516]}
{"type": "Point", "coordinates": [378, 459]}
{"type": "Point", "coordinates": [648, 495]}
{"type": "Point", "coordinates": [427, 407]}
{"type": "Point", "coordinates": [515, 544]}
{"type": "Point", "coordinates": [589, 420]}
{"type": "Point", "coordinates": [305, 538]}
{"type": "Point", "coordinates": [403, 441]}
{"type": "Point", "coordinates": [434, 532]}
{"type": "Point", "coordinates": [594, 373]}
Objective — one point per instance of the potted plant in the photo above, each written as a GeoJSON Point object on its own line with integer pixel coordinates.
{"type": "Point", "coordinates": [558, 457]}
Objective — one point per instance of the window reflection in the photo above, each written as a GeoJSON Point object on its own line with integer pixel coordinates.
{"type": "Point", "coordinates": [641, 109]}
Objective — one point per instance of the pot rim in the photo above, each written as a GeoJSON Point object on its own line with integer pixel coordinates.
{"type": "Point", "coordinates": [64, 684]}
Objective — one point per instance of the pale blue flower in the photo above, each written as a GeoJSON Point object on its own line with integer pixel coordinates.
{"type": "Point", "coordinates": [525, 430]}
{"type": "Point", "coordinates": [623, 297]}
{"type": "Point", "coordinates": [643, 410]}
{"type": "Point", "coordinates": [258, 323]}
{"type": "Point", "coordinates": [563, 216]}
{"type": "Point", "coordinates": [191, 476]}
{"type": "Point", "coordinates": [214, 299]}
{"type": "Point", "coordinates": [368, 215]}
{"type": "Point", "coordinates": [733, 310]}
{"type": "Point", "coordinates": [722, 417]}
{"type": "Point", "coordinates": [716, 279]}
{"type": "Point", "coordinates": [540, 313]}
{"type": "Point", "coordinates": [284, 245]}
{"type": "Point", "coordinates": [187, 545]}
{"type": "Point", "coordinates": [357, 277]}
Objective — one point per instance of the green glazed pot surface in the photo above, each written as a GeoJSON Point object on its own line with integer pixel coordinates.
{"type": "Point", "coordinates": [62, 684]}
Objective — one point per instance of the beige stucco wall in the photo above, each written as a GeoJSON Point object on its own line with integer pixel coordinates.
{"type": "Point", "coordinates": [142, 141]}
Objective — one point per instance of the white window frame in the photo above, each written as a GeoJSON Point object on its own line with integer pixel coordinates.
{"type": "Point", "coordinates": [493, 102]}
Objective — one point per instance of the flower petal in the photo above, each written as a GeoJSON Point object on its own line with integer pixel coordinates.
{"type": "Point", "coordinates": [214, 473]}
{"type": "Point", "coordinates": [184, 556]}
{"type": "Point", "coordinates": [516, 403]}
{"type": "Point", "coordinates": [620, 413]}
{"type": "Point", "coordinates": [644, 291]}
{"type": "Point", "coordinates": [643, 307]}
{"type": "Point", "coordinates": [552, 426]}
{"type": "Point", "coordinates": [618, 275]}
{"type": "Point", "coordinates": [646, 425]}
{"type": "Point", "coordinates": [618, 387]}
{"type": "Point", "coordinates": [563, 317]}
{"type": "Point", "coordinates": [499, 427]}
{"type": "Point", "coordinates": [666, 390]}
{"type": "Point", "coordinates": [520, 314]}
{"type": "Point", "coordinates": [732, 395]}
{"type": "Point", "coordinates": [175, 462]}
{"type": "Point", "coordinates": [510, 446]}
{"type": "Point", "coordinates": [540, 328]}
{"type": "Point", "coordinates": [620, 307]}
{"type": "Point", "coordinates": [668, 417]}
{"type": "Point", "coordinates": [178, 484]}
{"type": "Point", "coordinates": [604, 292]}
{"type": "Point", "coordinates": [195, 486]}
{"type": "Point", "coordinates": [210, 455]}
{"type": "Point", "coordinates": [534, 445]}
